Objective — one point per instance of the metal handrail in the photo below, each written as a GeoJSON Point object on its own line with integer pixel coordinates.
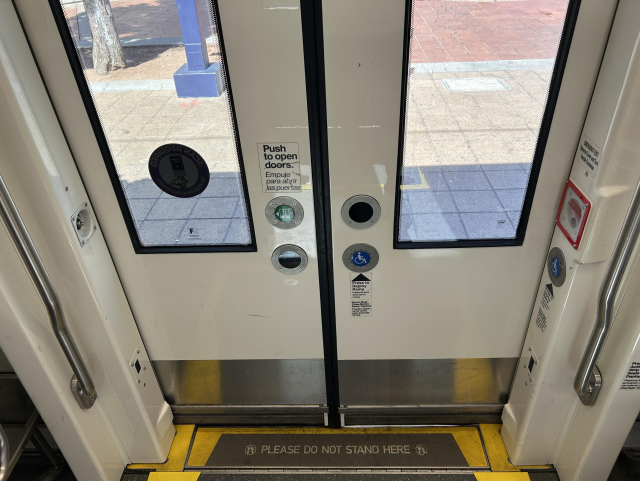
{"type": "Point", "coordinates": [82, 385]}
{"type": "Point", "coordinates": [588, 379]}
{"type": "Point", "coordinates": [4, 455]}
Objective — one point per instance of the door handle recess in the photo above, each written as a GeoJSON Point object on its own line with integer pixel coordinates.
{"type": "Point", "coordinates": [588, 380]}
{"type": "Point", "coordinates": [82, 385]}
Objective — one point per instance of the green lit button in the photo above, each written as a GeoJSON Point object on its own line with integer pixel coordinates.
{"type": "Point", "coordinates": [284, 213]}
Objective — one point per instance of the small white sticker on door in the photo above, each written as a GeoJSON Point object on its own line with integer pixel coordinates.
{"type": "Point", "coordinates": [279, 167]}
{"type": "Point", "coordinates": [589, 156]}
{"type": "Point", "coordinates": [361, 287]}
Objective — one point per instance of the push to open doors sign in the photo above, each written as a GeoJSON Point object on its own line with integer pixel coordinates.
{"type": "Point", "coordinates": [279, 167]}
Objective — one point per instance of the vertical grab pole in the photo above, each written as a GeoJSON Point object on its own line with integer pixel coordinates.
{"type": "Point", "coordinates": [588, 379]}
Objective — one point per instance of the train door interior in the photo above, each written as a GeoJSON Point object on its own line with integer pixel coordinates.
{"type": "Point", "coordinates": [341, 213]}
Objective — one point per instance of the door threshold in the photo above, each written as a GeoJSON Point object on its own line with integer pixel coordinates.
{"type": "Point", "coordinates": [464, 452]}
{"type": "Point", "coordinates": [251, 415]}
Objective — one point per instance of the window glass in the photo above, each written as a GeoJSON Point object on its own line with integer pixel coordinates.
{"type": "Point", "coordinates": [478, 80]}
{"type": "Point", "coordinates": [157, 77]}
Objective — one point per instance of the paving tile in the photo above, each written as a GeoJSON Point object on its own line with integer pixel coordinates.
{"type": "Point", "coordinates": [223, 186]}
{"type": "Point", "coordinates": [158, 233]}
{"type": "Point", "coordinates": [515, 217]}
{"type": "Point", "coordinates": [467, 181]}
{"type": "Point", "coordinates": [204, 232]}
{"type": "Point", "coordinates": [477, 201]}
{"type": "Point", "coordinates": [140, 208]}
{"type": "Point", "coordinates": [427, 202]}
{"type": "Point", "coordinates": [511, 179]}
{"type": "Point", "coordinates": [471, 165]}
{"type": "Point", "coordinates": [434, 179]}
{"type": "Point", "coordinates": [132, 173]}
{"type": "Point", "coordinates": [125, 133]}
{"type": "Point", "coordinates": [142, 189]}
{"type": "Point", "coordinates": [511, 199]}
{"type": "Point", "coordinates": [174, 208]}
{"type": "Point", "coordinates": [488, 225]}
{"type": "Point", "coordinates": [214, 208]}
{"type": "Point", "coordinates": [431, 227]}
{"type": "Point", "coordinates": [496, 163]}
{"type": "Point", "coordinates": [411, 176]}
{"type": "Point", "coordinates": [238, 232]}
{"type": "Point", "coordinates": [241, 210]}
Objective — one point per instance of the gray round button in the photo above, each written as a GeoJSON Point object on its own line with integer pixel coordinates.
{"type": "Point", "coordinates": [361, 211]}
{"type": "Point", "coordinates": [556, 267]}
{"type": "Point", "coordinates": [360, 257]}
{"type": "Point", "coordinates": [289, 259]}
{"type": "Point", "coordinates": [284, 212]}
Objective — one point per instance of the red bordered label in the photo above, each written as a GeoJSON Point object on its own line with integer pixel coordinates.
{"type": "Point", "coordinates": [573, 213]}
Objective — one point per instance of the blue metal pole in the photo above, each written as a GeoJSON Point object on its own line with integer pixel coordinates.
{"type": "Point", "coordinates": [195, 44]}
{"type": "Point", "coordinates": [196, 78]}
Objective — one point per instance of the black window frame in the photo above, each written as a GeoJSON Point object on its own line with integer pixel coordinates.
{"type": "Point", "coordinates": [85, 93]}
{"type": "Point", "coordinates": [564, 45]}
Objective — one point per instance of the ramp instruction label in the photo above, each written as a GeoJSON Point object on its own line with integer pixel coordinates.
{"type": "Point", "coordinates": [279, 167]}
{"type": "Point", "coordinates": [547, 296]}
{"type": "Point", "coordinates": [631, 381]}
{"type": "Point", "coordinates": [361, 294]}
{"type": "Point", "coordinates": [589, 157]}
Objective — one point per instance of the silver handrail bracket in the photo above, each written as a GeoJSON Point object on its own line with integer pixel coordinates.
{"type": "Point", "coordinates": [588, 380]}
{"type": "Point", "coordinates": [82, 385]}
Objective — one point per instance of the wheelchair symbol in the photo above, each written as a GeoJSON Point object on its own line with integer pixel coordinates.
{"type": "Point", "coordinates": [555, 267]}
{"type": "Point", "coordinates": [360, 258]}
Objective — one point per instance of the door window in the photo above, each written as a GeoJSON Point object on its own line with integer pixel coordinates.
{"type": "Point", "coordinates": [474, 126]}
{"type": "Point", "coordinates": [155, 86]}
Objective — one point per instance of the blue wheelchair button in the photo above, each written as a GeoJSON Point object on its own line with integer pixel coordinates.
{"type": "Point", "coordinates": [360, 258]}
{"type": "Point", "coordinates": [556, 269]}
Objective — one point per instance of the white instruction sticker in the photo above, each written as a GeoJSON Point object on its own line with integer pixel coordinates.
{"type": "Point", "coordinates": [631, 382]}
{"type": "Point", "coordinates": [279, 167]}
{"type": "Point", "coordinates": [361, 294]}
{"type": "Point", "coordinates": [589, 156]}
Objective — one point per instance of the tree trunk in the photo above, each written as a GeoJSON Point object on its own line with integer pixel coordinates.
{"type": "Point", "coordinates": [107, 51]}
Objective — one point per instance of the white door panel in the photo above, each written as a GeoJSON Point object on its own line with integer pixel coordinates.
{"type": "Point", "coordinates": [427, 303]}
{"type": "Point", "coordinates": [230, 304]}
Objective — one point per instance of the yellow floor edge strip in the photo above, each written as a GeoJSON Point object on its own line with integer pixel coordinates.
{"type": "Point", "coordinates": [193, 476]}
{"type": "Point", "coordinates": [177, 454]}
{"type": "Point", "coordinates": [173, 476]}
{"type": "Point", "coordinates": [497, 453]}
{"type": "Point", "coordinates": [467, 438]}
{"type": "Point", "coordinates": [502, 476]}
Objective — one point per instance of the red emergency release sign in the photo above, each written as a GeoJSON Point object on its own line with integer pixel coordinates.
{"type": "Point", "coordinates": [572, 213]}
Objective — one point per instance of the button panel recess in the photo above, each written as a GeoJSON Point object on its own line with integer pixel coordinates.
{"type": "Point", "coordinates": [360, 257]}
{"type": "Point", "coordinates": [284, 212]}
{"type": "Point", "coordinates": [360, 211]}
